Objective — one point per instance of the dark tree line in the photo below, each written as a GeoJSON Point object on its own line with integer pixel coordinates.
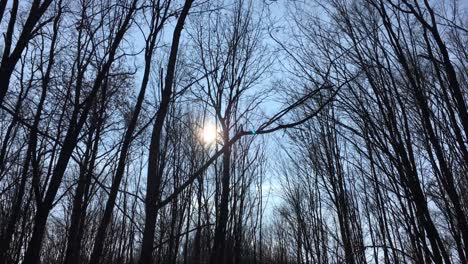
{"type": "Point", "coordinates": [142, 131]}
{"type": "Point", "coordinates": [380, 174]}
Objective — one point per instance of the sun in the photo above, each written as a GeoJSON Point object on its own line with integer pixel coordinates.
{"type": "Point", "coordinates": [209, 133]}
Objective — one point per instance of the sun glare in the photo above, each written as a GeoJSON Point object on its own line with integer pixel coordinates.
{"type": "Point", "coordinates": [209, 133]}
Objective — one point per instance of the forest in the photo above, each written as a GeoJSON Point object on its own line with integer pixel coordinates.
{"type": "Point", "coordinates": [233, 131]}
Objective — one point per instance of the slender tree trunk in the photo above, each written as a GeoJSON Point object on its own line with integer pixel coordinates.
{"type": "Point", "coordinates": [154, 177]}
{"type": "Point", "coordinates": [219, 242]}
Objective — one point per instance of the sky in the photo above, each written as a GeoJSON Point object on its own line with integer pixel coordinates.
{"type": "Point", "coordinates": [275, 16]}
